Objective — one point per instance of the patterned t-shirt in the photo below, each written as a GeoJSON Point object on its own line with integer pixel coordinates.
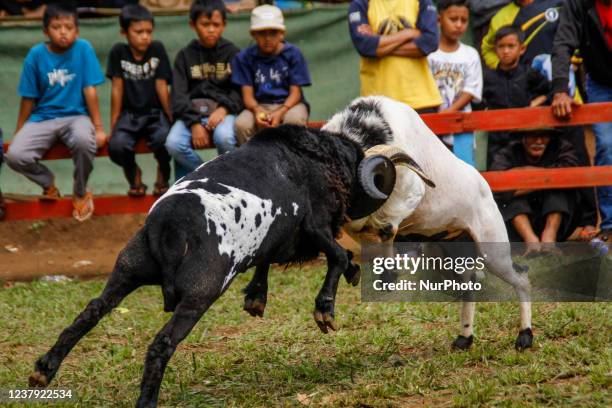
{"type": "Point", "coordinates": [139, 94]}
{"type": "Point", "coordinates": [270, 76]}
{"type": "Point", "coordinates": [456, 72]}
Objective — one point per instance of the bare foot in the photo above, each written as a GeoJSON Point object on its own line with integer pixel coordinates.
{"type": "Point", "coordinates": [588, 233]}
{"type": "Point", "coordinates": [583, 234]}
{"type": "Point", "coordinates": [547, 243]}
{"type": "Point", "coordinates": [533, 246]}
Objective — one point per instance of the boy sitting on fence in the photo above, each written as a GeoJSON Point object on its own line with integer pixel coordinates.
{"type": "Point", "coordinates": [140, 103]}
{"type": "Point", "coordinates": [271, 74]}
{"type": "Point", "coordinates": [59, 102]}
{"type": "Point", "coordinates": [204, 101]}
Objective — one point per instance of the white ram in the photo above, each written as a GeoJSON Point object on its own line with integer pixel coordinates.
{"type": "Point", "coordinates": [439, 193]}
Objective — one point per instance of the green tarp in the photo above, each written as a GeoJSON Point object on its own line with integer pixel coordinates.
{"type": "Point", "coordinates": [321, 34]}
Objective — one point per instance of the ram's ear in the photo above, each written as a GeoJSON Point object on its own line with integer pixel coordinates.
{"type": "Point", "coordinates": [400, 158]}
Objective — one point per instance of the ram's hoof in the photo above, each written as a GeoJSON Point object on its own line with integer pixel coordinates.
{"type": "Point", "coordinates": [254, 306]}
{"type": "Point", "coordinates": [524, 339]}
{"type": "Point", "coordinates": [387, 233]}
{"type": "Point", "coordinates": [353, 274]}
{"type": "Point", "coordinates": [38, 380]}
{"type": "Point", "coordinates": [325, 321]}
{"type": "Point", "coordinates": [462, 342]}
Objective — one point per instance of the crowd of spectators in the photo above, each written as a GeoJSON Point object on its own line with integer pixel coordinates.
{"type": "Point", "coordinates": [218, 92]}
{"type": "Point", "coordinates": [410, 50]}
{"type": "Point", "coordinates": [529, 51]}
{"type": "Point", "coordinates": [35, 8]}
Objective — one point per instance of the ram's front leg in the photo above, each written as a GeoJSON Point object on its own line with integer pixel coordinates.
{"type": "Point", "coordinates": [352, 273]}
{"type": "Point", "coordinates": [256, 292]}
{"type": "Point", "coordinates": [337, 263]}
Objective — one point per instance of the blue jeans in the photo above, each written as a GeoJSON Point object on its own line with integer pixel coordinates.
{"type": "Point", "coordinates": [463, 147]}
{"type": "Point", "coordinates": [603, 152]}
{"type": "Point", "coordinates": [178, 144]}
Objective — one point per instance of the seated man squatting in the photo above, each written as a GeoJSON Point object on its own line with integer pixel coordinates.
{"type": "Point", "coordinates": [540, 216]}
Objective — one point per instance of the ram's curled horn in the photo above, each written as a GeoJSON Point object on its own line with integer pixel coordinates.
{"type": "Point", "coordinates": [400, 158]}
{"type": "Point", "coordinates": [376, 180]}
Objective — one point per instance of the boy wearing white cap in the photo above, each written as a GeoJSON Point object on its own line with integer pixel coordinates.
{"type": "Point", "coordinates": [271, 74]}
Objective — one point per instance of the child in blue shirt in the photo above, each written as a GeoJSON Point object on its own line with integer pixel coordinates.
{"type": "Point", "coordinates": [271, 74]}
{"type": "Point", "coordinates": [59, 102]}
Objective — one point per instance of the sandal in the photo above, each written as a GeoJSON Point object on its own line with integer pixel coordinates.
{"type": "Point", "coordinates": [161, 184]}
{"type": "Point", "coordinates": [50, 194]}
{"type": "Point", "coordinates": [139, 190]}
{"type": "Point", "coordinates": [83, 207]}
{"type": "Point", "coordinates": [583, 234]}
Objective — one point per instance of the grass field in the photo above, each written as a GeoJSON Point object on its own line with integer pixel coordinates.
{"type": "Point", "coordinates": [393, 354]}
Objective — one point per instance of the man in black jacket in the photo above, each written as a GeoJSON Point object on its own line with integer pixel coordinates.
{"type": "Point", "coordinates": [538, 216]}
{"type": "Point", "coordinates": [203, 99]}
{"type": "Point", "coordinates": [587, 25]}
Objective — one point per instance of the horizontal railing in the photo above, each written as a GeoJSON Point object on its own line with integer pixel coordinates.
{"type": "Point", "coordinates": [30, 208]}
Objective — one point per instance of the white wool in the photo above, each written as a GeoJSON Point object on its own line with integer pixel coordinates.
{"type": "Point", "coordinates": [461, 200]}
{"type": "Point", "coordinates": [239, 239]}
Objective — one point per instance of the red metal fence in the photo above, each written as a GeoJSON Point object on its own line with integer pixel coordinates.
{"type": "Point", "coordinates": [443, 123]}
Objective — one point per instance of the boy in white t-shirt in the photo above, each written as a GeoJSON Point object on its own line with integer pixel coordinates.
{"type": "Point", "coordinates": [457, 71]}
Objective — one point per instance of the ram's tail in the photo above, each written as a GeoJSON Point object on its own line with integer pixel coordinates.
{"type": "Point", "coordinates": [168, 244]}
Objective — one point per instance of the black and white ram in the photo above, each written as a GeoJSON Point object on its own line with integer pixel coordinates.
{"type": "Point", "coordinates": [280, 198]}
{"type": "Point", "coordinates": [461, 201]}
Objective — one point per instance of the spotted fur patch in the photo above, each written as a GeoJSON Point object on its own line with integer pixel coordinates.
{"type": "Point", "coordinates": [241, 219]}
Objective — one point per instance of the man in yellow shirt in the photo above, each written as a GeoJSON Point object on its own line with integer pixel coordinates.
{"type": "Point", "coordinates": [394, 38]}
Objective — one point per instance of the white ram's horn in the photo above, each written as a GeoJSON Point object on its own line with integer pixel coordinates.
{"type": "Point", "coordinates": [399, 157]}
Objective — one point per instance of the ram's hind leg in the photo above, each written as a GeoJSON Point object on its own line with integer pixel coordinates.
{"type": "Point", "coordinates": [186, 315]}
{"type": "Point", "coordinates": [503, 268]}
{"type": "Point", "coordinates": [198, 292]}
{"type": "Point", "coordinates": [132, 261]}
{"type": "Point", "coordinates": [493, 240]}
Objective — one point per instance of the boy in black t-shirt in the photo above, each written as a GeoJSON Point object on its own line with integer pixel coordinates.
{"type": "Point", "coordinates": [140, 103]}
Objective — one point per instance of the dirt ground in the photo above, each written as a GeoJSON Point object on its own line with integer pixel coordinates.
{"type": "Point", "coordinates": [63, 246]}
